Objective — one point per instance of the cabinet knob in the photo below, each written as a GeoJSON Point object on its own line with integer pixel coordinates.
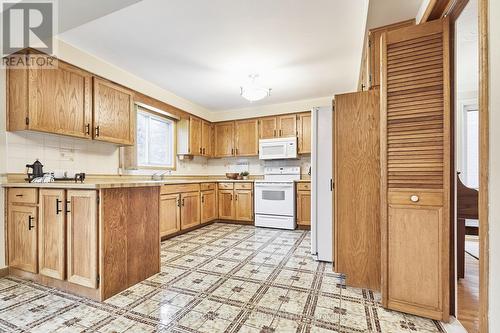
{"type": "Point", "coordinates": [414, 198]}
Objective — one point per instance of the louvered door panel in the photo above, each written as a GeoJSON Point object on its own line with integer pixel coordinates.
{"type": "Point", "coordinates": [415, 162]}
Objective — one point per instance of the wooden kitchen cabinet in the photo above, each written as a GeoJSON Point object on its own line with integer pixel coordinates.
{"type": "Point", "coordinates": [226, 207]}
{"type": "Point", "coordinates": [207, 139]}
{"type": "Point", "coordinates": [23, 239]}
{"type": "Point", "coordinates": [303, 208]}
{"type": "Point", "coordinates": [304, 132]}
{"type": "Point", "coordinates": [170, 214]}
{"type": "Point", "coordinates": [268, 128]}
{"type": "Point", "coordinates": [224, 139]}
{"type": "Point", "coordinates": [82, 237]}
{"type": "Point", "coordinates": [287, 126]}
{"type": "Point", "coordinates": [208, 205]}
{"type": "Point", "coordinates": [195, 136]}
{"type": "Point", "coordinates": [57, 100]}
{"type": "Point", "coordinates": [243, 202]}
{"type": "Point", "coordinates": [190, 210]}
{"type": "Point", "coordinates": [246, 136]}
{"type": "Point", "coordinates": [114, 113]}
{"type": "Point", "coordinates": [51, 233]}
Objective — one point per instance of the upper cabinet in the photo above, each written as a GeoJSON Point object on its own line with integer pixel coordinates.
{"type": "Point", "coordinates": [114, 113]}
{"type": "Point", "coordinates": [246, 137]}
{"type": "Point", "coordinates": [278, 127]}
{"type": "Point", "coordinates": [194, 137]}
{"type": "Point", "coordinates": [268, 128]}
{"type": "Point", "coordinates": [207, 139]}
{"type": "Point", "coordinates": [56, 101]}
{"type": "Point", "coordinates": [304, 132]}
{"type": "Point", "coordinates": [224, 139]}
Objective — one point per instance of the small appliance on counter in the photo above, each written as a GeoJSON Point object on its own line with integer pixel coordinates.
{"type": "Point", "coordinates": [38, 176]}
{"type": "Point", "coordinates": [36, 171]}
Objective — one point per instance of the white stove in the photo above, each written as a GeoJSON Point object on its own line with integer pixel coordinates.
{"type": "Point", "coordinates": [275, 198]}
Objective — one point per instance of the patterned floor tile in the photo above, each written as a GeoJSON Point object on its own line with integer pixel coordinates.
{"type": "Point", "coordinates": [220, 278]}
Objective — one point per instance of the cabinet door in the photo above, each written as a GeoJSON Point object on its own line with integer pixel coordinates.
{"type": "Point", "coordinates": [23, 247]}
{"type": "Point", "coordinates": [268, 128]}
{"type": "Point", "coordinates": [51, 233]}
{"type": "Point", "coordinates": [224, 137]}
{"type": "Point", "coordinates": [287, 126]}
{"type": "Point", "coordinates": [195, 136]}
{"type": "Point", "coordinates": [208, 206]}
{"type": "Point", "coordinates": [114, 113]}
{"type": "Point", "coordinates": [82, 237]}
{"type": "Point", "coordinates": [60, 100]}
{"type": "Point", "coordinates": [415, 151]}
{"type": "Point", "coordinates": [170, 214]}
{"type": "Point", "coordinates": [190, 209]}
{"type": "Point", "coordinates": [243, 205]}
{"type": "Point", "coordinates": [304, 207]}
{"type": "Point", "coordinates": [304, 133]}
{"type": "Point", "coordinates": [226, 206]}
{"type": "Point", "coordinates": [247, 137]}
{"type": "Point", "coordinates": [207, 133]}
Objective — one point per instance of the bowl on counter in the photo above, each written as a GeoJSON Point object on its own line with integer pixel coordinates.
{"type": "Point", "coordinates": [232, 175]}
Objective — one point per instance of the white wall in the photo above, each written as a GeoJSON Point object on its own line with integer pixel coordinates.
{"type": "Point", "coordinates": [3, 165]}
{"type": "Point", "coordinates": [494, 185]}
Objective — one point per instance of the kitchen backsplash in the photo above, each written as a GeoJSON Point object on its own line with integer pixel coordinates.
{"type": "Point", "coordinates": [59, 153]}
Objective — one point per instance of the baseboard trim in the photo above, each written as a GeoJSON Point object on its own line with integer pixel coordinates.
{"type": "Point", "coordinates": [4, 272]}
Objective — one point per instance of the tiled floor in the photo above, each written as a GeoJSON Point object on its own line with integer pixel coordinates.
{"type": "Point", "coordinates": [221, 278]}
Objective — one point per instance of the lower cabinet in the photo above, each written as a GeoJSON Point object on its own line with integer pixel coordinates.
{"type": "Point", "coordinates": [208, 205]}
{"type": "Point", "coordinates": [304, 204]}
{"type": "Point", "coordinates": [23, 240]}
{"type": "Point", "coordinates": [190, 210]}
{"type": "Point", "coordinates": [170, 214]}
{"type": "Point", "coordinates": [236, 201]}
{"type": "Point", "coordinates": [59, 239]}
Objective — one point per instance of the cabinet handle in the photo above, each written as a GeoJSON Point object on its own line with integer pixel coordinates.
{"type": "Point", "coordinates": [183, 202]}
{"type": "Point", "coordinates": [97, 131]}
{"type": "Point", "coordinates": [19, 195]}
{"type": "Point", "coordinates": [274, 133]}
{"type": "Point", "coordinates": [281, 133]}
{"type": "Point", "coordinates": [30, 226]}
{"type": "Point", "coordinates": [203, 151]}
{"type": "Point", "coordinates": [232, 151]}
{"type": "Point", "coordinates": [202, 199]}
{"type": "Point", "coordinates": [58, 209]}
{"type": "Point", "coordinates": [414, 198]}
{"type": "Point", "coordinates": [236, 151]}
{"type": "Point", "coordinates": [236, 197]}
{"type": "Point", "coordinates": [66, 207]}
{"type": "Point", "coordinates": [231, 197]}
{"type": "Point", "coordinates": [87, 129]}
{"type": "Point", "coordinates": [178, 202]}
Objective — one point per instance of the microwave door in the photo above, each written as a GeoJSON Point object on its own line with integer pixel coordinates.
{"type": "Point", "coordinates": [271, 151]}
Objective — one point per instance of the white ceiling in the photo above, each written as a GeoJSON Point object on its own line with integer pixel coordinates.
{"type": "Point", "coordinates": [203, 50]}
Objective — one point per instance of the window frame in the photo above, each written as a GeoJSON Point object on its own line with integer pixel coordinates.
{"type": "Point", "coordinates": [162, 117]}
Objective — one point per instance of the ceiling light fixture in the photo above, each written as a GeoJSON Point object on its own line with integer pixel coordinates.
{"type": "Point", "coordinates": [252, 91]}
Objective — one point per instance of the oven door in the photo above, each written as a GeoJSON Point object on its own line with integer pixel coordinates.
{"type": "Point", "coordinates": [275, 199]}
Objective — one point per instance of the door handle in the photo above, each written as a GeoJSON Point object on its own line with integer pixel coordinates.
{"type": "Point", "coordinates": [58, 209]}
{"type": "Point", "coordinates": [30, 226]}
{"type": "Point", "coordinates": [68, 202]}
{"type": "Point", "coordinates": [414, 198]}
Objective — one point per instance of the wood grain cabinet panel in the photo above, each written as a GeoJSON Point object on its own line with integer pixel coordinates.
{"type": "Point", "coordinates": [224, 139]}
{"type": "Point", "coordinates": [195, 136]}
{"type": "Point", "coordinates": [207, 139]}
{"type": "Point", "coordinates": [114, 113]}
{"type": "Point", "coordinates": [287, 126]}
{"type": "Point", "coordinates": [82, 237]}
{"type": "Point", "coordinates": [52, 233]}
{"type": "Point", "coordinates": [304, 132]}
{"type": "Point", "coordinates": [243, 202]}
{"type": "Point", "coordinates": [208, 206]}
{"type": "Point", "coordinates": [170, 214]}
{"type": "Point", "coordinates": [304, 208]}
{"type": "Point", "coordinates": [226, 207]}
{"type": "Point", "coordinates": [190, 210]}
{"type": "Point", "coordinates": [268, 128]}
{"type": "Point", "coordinates": [246, 137]}
{"type": "Point", "coordinates": [23, 239]}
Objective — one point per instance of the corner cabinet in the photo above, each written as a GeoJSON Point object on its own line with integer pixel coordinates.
{"type": "Point", "coordinates": [114, 113]}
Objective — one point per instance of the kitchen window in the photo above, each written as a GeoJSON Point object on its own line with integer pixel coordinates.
{"type": "Point", "coordinates": [155, 140]}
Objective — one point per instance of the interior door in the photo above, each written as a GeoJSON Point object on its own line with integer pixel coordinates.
{"type": "Point", "coordinates": [247, 137]}
{"type": "Point", "coordinates": [170, 214]}
{"type": "Point", "coordinates": [415, 164]}
{"type": "Point", "coordinates": [22, 228]}
{"type": "Point", "coordinates": [82, 237]}
{"type": "Point", "coordinates": [52, 233]}
{"type": "Point", "coordinates": [190, 210]}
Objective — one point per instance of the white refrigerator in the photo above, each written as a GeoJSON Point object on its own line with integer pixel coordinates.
{"type": "Point", "coordinates": [322, 184]}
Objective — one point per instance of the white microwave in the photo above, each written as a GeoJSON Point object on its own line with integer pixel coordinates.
{"type": "Point", "coordinates": [278, 149]}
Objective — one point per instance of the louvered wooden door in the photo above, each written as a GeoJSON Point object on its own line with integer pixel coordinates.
{"type": "Point", "coordinates": [415, 164]}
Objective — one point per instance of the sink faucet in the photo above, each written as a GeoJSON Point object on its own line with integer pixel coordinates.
{"type": "Point", "coordinates": [159, 176]}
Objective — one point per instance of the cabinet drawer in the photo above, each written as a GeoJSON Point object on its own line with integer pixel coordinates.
{"type": "Point", "coordinates": [23, 195]}
{"type": "Point", "coordinates": [226, 186]}
{"type": "Point", "coordinates": [179, 188]}
{"type": "Point", "coordinates": [417, 197]}
{"type": "Point", "coordinates": [303, 186]}
{"type": "Point", "coordinates": [207, 186]}
{"type": "Point", "coordinates": [243, 186]}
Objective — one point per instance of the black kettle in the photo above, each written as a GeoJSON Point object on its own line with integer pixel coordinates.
{"type": "Point", "coordinates": [37, 170]}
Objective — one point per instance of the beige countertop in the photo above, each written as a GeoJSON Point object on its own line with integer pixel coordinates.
{"type": "Point", "coordinates": [104, 184]}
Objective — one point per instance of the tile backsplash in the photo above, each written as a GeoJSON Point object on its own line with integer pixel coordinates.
{"type": "Point", "coordinates": [64, 154]}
